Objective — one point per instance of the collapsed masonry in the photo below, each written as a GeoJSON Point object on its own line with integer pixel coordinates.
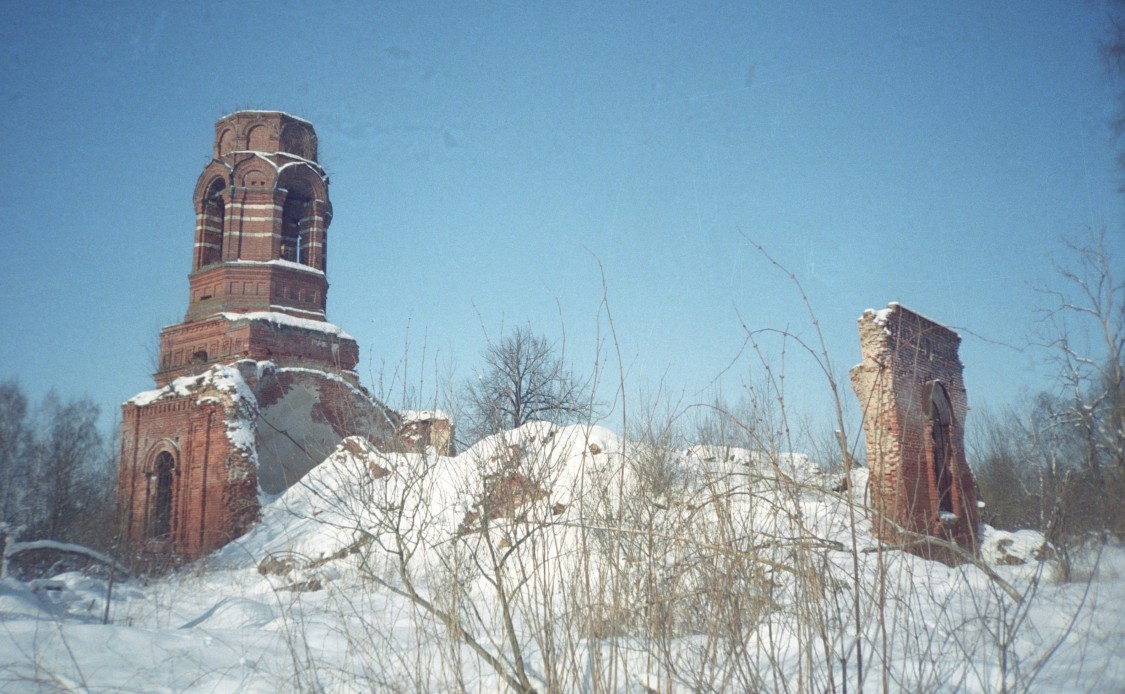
{"type": "Point", "coordinates": [255, 387]}
{"type": "Point", "coordinates": [914, 403]}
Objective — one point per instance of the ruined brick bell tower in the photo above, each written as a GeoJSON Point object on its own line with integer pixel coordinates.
{"type": "Point", "coordinates": [255, 387]}
{"type": "Point", "coordinates": [261, 231]}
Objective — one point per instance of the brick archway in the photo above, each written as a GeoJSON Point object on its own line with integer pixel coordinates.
{"type": "Point", "coordinates": [162, 505]}
{"type": "Point", "coordinates": [211, 229]}
{"type": "Point", "coordinates": [941, 455]}
{"type": "Point", "coordinates": [161, 473]}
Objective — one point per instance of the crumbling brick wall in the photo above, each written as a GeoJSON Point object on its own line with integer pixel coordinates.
{"type": "Point", "coordinates": [213, 489]}
{"type": "Point", "coordinates": [429, 429]}
{"type": "Point", "coordinates": [230, 433]}
{"type": "Point", "coordinates": [912, 395]}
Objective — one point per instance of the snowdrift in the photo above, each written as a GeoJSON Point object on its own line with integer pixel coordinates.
{"type": "Point", "coordinates": [568, 559]}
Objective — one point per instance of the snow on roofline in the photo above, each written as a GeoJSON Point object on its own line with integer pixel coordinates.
{"type": "Point", "coordinates": [300, 160]}
{"type": "Point", "coordinates": [287, 320]}
{"type": "Point", "coordinates": [359, 391]}
{"type": "Point", "coordinates": [881, 315]}
{"type": "Point", "coordinates": [318, 324]}
{"type": "Point", "coordinates": [265, 111]}
{"type": "Point", "coordinates": [265, 156]}
{"type": "Point", "coordinates": [318, 315]}
{"type": "Point", "coordinates": [223, 377]}
{"type": "Point", "coordinates": [282, 263]}
{"type": "Point", "coordinates": [422, 415]}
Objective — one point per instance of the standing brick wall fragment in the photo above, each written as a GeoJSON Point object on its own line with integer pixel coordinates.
{"type": "Point", "coordinates": [912, 394]}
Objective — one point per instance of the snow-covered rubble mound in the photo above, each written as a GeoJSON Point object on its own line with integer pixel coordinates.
{"type": "Point", "coordinates": [357, 491]}
{"type": "Point", "coordinates": [345, 498]}
{"type": "Point", "coordinates": [575, 554]}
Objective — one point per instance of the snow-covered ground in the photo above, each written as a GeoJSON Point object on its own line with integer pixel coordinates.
{"type": "Point", "coordinates": [604, 565]}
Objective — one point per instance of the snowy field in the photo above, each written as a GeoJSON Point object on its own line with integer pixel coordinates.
{"type": "Point", "coordinates": [566, 559]}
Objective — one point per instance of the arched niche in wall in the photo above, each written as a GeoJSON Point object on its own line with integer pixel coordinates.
{"type": "Point", "coordinates": [941, 456]}
{"type": "Point", "coordinates": [302, 189]}
{"type": "Point", "coordinates": [298, 139]}
{"type": "Point", "coordinates": [224, 143]}
{"type": "Point", "coordinates": [161, 502]}
{"type": "Point", "coordinates": [254, 178]}
{"type": "Point", "coordinates": [258, 138]}
{"type": "Point", "coordinates": [212, 223]}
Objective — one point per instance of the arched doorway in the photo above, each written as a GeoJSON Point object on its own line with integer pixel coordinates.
{"type": "Point", "coordinates": [162, 508]}
{"type": "Point", "coordinates": [296, 223]}
{"type": "Point", "coordinates": [941, 448]}
{"type": "Point", "coordinates": [213, 223]}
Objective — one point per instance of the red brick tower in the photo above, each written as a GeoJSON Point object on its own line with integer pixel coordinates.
{"type": "Point", "coordinates": [254, 386]}
{"type": "Point", "coordinates": [914, 403]}
{"type": "Point", "coordinates": [261, 230]}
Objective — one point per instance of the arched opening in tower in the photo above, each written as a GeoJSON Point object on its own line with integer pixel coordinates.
{"type": "Point", "coordinates": [296, 139]}
{"type": "Point", "coordinates": [941, 448]}
{"type": "Point", "coordinates": [214, 213]}
{"type": "Point", "coordinates": [296, 224]}
{"type": "Point", "coordinates": [162, 515]}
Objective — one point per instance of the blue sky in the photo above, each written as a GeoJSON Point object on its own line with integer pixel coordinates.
{"type": "Point", "coordinates": [487, 157]}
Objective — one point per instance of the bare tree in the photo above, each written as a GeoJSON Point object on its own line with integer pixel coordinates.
{"type": "Point", "coordinates": [524, 379]}
{"type": "Point", "coordinates": [1085, 319]}
{"type": "Point", "coordinates": [67, 458]}
{"type": "Point", "coordinates": [1113, 51]}
{"type": "Point", "coordinates": [15, 441]}
{"type": "Point", "coordinates": [56, 473]}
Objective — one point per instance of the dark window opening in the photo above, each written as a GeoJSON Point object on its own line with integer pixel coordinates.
{"type": "Point", "coordinates": [295, 139]}
{"type": "Point", "coordinates": [941, 441]}
{"type": "Point", "coordinates": [162, 518]}
{"type": "Point", "coordinates": [213, 224]}
{"type": "Point", "coordinates": [295, 224]}
{"type": "Point", "coordinates": [298, 221]}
